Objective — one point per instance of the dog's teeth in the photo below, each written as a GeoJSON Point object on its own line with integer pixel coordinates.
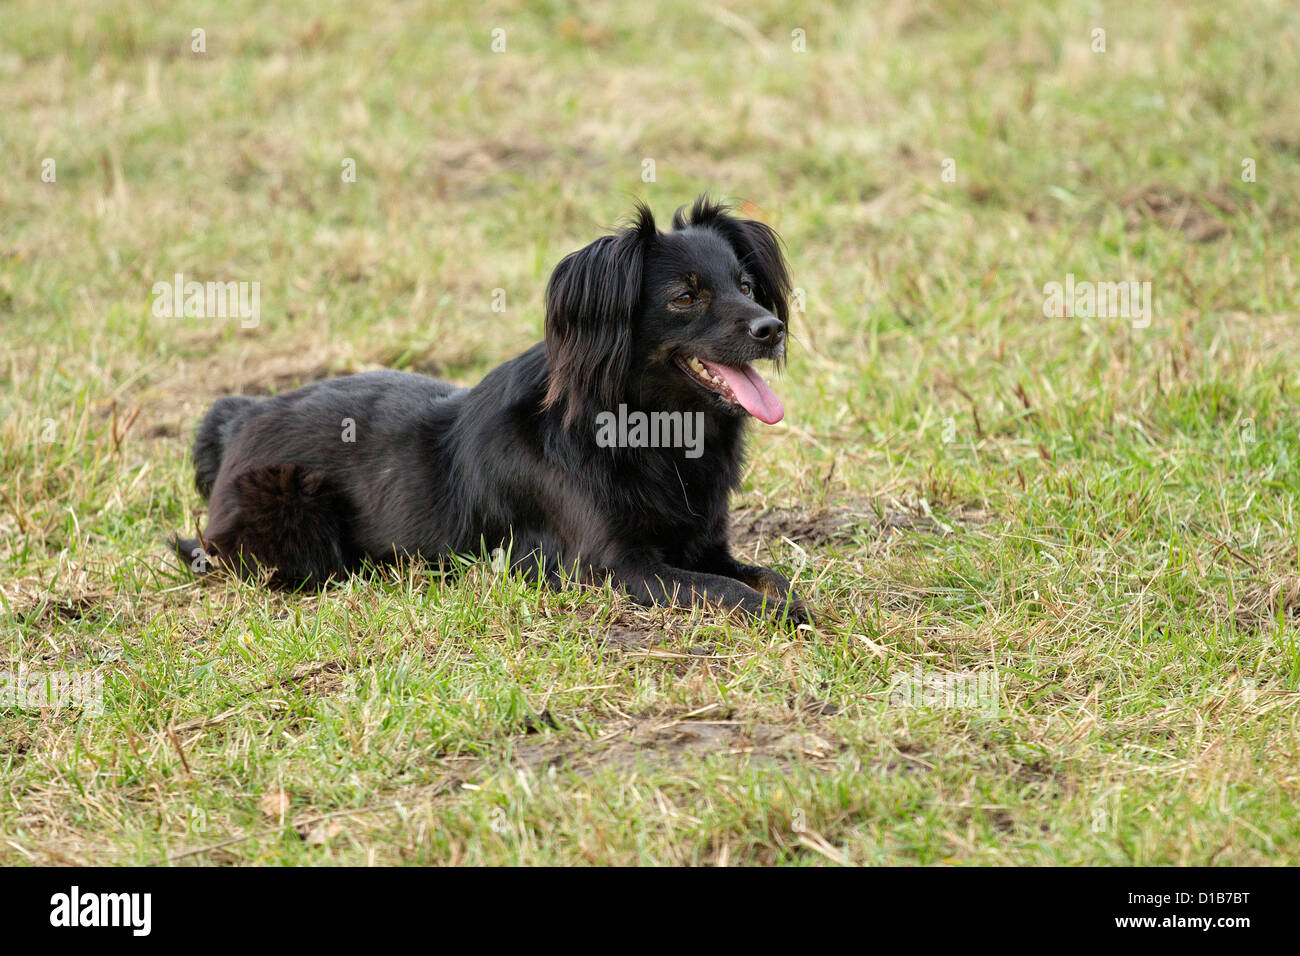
{"type": "Point", "coordinates": [698, 368]}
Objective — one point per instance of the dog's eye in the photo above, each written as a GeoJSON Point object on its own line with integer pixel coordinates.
{"type": "Point", "coordinates": [746, 289]}
{"type": "Point", "coordinates": [683, 300]}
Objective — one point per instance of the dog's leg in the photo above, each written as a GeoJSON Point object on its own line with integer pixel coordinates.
{"type": "Point", "coordinates": [663, 584]}
{"type": "Point", "coordinates": [192, 554]}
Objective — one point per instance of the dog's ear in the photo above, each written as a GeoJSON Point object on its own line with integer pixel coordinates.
{"type": "Point", "coordinates": [756, 245]}
{"type": "Point", "coordinates": [592, 301]}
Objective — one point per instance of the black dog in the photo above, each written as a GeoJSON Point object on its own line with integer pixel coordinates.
{"type": "Point", "coordinates": [307, 485]}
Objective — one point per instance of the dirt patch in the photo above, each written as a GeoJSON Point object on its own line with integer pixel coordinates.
{"type": "Point", "coordinates": [45, 612]}
{"type": "Point", "coordinates": [61, 609]}
{"type": "Point", "coordinates": [665, 740]}
{"type": "Point", "coordinates": [818, 527]}
{"type": "Point", "coordinates": [484, 167]}
{"type": "Point", "coordinates": [1260, 604]}
{"type": "Point", "coordinates": [1199, 216]}
{"type": "Point", "coordinates": [276, 373]}
{"type": "Point", "coordinates": [808, 527]}
{"type": "Point", "coordinates": [815, 705]}
{"type": "Point", "coordinates": [440, 360]}
{"type": "Point", "coordinates": [622, 638]}
{"type": "Point", "coordinates": [172, 407]}
{"type": "Point", "coordinates": [321, 679]}
{"type": "Point", "coordinates": [535, 724]}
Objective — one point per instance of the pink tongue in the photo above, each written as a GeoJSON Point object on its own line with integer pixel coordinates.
{"type": "Point", "coordinates": [751, 391]}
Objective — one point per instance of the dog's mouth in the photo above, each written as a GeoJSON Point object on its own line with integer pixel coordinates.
{"type": "Point", "coordinates": [736, 385]}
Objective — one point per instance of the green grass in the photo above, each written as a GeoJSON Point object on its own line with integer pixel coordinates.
{"type": "Point", "coordinates": [1100, 519]}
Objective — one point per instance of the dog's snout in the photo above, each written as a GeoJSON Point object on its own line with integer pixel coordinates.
{"type": "Point", "coordinates": [767, 329]}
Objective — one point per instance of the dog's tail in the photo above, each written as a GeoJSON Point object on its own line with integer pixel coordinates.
{"type": "Point", "coordinates": [191, 553]}
{"type": "Point", "coordinates": [291, 525]}
{"type": "Point", "coordinates": [222, 421]}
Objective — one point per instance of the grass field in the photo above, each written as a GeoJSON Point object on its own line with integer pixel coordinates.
{"type": "Point", "coordinates": [1053, 558]}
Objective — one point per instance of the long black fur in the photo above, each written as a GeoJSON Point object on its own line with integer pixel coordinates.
{"type": "Point", "coordinates": [433, 470]}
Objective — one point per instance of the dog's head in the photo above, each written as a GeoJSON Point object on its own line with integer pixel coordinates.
{"type": "Point", "coordinates": [672, 319]}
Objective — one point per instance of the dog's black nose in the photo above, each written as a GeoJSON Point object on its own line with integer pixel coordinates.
{"type": "Point", "coordinates": [767, 329]}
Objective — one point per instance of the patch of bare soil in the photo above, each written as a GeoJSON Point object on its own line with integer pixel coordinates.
{"type": "Point", "coordinates": [320, 679]}
{"type": "Point", "coordinates": [55, 608]}
{"type": "Point", "coordinates": [171, 408]}
{"type": "Point", "coordinates": [1259, 606]}
{"type": "Point", "coordinates": [482, 167]}
{"type": "Point", "coordinates": [665, 740]}
{"type": "Point", "coordinates": [1199, 216]}
{"type": "Point", "coordinates": [818, 527]}
{"type": "Point", "coordinates": [621, 638]}
{"type": "Point", "coordinates": [276, 372]}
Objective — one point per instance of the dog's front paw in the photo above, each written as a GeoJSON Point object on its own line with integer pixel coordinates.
{"type": "Point", "coordinates": [793, 612]}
